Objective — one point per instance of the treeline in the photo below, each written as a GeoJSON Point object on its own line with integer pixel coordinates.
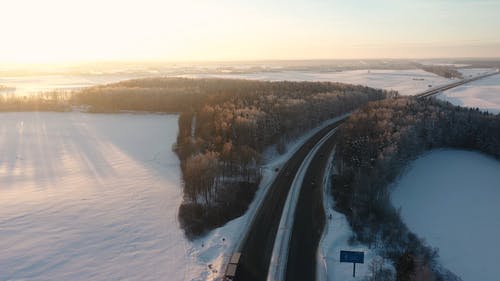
{"type": "Point", "coordinates": [443, 71]}
{"type": "Point", "coordinates": [6, 89]}
{"type": "Point", "coordinates": [149, 94]}
{"type": "Point", "coordinates": [52, 101]}
{"type": "Point", "coordinates": [376, 144]}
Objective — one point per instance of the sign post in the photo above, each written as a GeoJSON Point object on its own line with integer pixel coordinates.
{"type": "Point", "coordinates": [354, 257]}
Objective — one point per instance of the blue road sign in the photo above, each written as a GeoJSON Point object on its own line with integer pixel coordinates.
{"type": "Point", "coordinates": [351, 256]}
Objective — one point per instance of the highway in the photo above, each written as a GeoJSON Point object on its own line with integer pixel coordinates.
{"type": "Point", "coordinates": [309, 219]}
{"type": "Point", "coordinates": [257, 247]}
{"type": "Point", "coordinates": [437, 90]}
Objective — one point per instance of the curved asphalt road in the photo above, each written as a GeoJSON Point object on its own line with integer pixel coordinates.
{"type": "Point", "coordinates": [309, 219]}
{"type": "Point", "coordinates": [258, 246]}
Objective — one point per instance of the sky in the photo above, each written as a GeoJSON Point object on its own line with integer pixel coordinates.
{"type": "Point", "coordinates": [51, 31]}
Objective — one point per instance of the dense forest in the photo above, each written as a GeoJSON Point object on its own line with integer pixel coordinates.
{"type": "Point", "coordinates": [375, 145]}
{"type": "Point", "coordinates": [220, 144]}
{"type": "Point", "coordinates": [170, 95]}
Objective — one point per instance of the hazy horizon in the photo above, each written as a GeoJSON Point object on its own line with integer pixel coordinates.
{"type": "Point", "coordinates": [59, 32]}
{"type": "Point", "coordinates": [100, 65]}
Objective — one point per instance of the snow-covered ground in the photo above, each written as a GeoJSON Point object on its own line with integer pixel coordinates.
{"type": "Point", "coordinates": [35, 84]}
{"type": "Point", "coordinates": [450, 198]}
{"type": "Point", "coordinates": [335, 238]}
{"type": "Point", "coordinates": [473, 72]}
{"type": "Point", "coordinates": [407, 82]}
{"type": "Point", "coordinates": [483, 94]}
{"type": "Point", "coordinates": [91, 197]}
{"type": "Point", "coordinates": [338, 232]}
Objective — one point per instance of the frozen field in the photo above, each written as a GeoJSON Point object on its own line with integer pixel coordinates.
{"type": "Point", "coordinates": [450, 198]}
{"type": "Point", "coordinates": [91, 197]}
{"type": "Point", "coordinates": [483, 94]}
{"type": "Point", "coordinates": [28, 85]}
{"type": "Point", "coordinates": [407, 82]}
{"type": "Point", "coordinates": [472, 72]}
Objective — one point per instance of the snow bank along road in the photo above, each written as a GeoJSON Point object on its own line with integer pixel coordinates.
{"type": "Point", "coordinates": [257, 248]}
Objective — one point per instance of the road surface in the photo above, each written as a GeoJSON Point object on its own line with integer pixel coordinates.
{"type": "Point", "coordinates": [256, 250]}
{"type": "Point", "coordinates": [309, 219]}
{"type": "Point", "coordinates": [437, 90]}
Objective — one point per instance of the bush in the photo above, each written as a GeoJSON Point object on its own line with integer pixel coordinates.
{"type": "Point", "coordinates": [197, 219]}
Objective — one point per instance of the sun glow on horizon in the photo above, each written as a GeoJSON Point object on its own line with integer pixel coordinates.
{"type": "Point", "coordinates": [59, 31]}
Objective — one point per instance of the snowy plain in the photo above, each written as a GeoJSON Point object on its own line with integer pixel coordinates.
{"type": "Point", "coordinates": [483, 94]}
{"type": "Point", "coordinates": [407, 82]}
{"type": "Point", "coordinates": [35, 84]}
{"type": "Point", "coordinates": [473, 72]}
{"type": "Point", "coordinates": [450, 198]}
{"type": "Point", "coordinates": [91, 197]}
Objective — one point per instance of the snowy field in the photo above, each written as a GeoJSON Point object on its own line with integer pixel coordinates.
{"type": "Point", "coordinates": [483, 94]}
{"type": "Point", "coordinates": [450, 198]}
{"type": "Point", "coordinates": [34, 84]}
{"type": "Point", "coordinates": [91, 197]}
{"type": "Point", "coordinates": [407, 82]}
{"type": "Point", "coordinates": [473, 72]}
